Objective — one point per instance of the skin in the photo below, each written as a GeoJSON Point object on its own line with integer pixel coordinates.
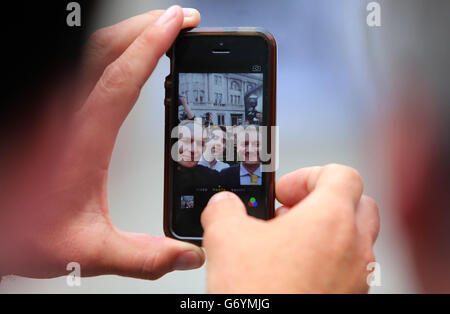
{"type": "Point", "coordinates": [259, 116]}
{"type": "Point", "coordinates": [55, 209]}
{"type": "Point", "coordinates": [190, 145]}
{"type": "Point", "coordinates": [248, 150]}
{"type": "Point", "coordinates": [215, 146]}
{"type": "Point", "coordinates": [320, 242]}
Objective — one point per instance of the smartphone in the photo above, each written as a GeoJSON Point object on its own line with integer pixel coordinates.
{"type": "Point", "coordinates": [220, 93]}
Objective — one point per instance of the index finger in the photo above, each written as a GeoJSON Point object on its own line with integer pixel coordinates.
{"type": "Point", "coordinates": [107, 44]}
{"type": "Point", "coordinates": [117, 90]}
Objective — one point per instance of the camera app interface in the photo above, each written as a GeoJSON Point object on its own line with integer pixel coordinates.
{"type": "Point", "coordinates": [219, 145]}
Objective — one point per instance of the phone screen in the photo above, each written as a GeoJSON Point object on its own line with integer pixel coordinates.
{"type": "Point", "coordinates": [217, 139]}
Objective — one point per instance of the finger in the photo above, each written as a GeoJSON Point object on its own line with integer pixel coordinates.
{"type": "Point", "coordinates": [108, 43]}
{"type": "Point", "coordinates": [281, 210]}
{"type": "Point", "coordinates": [333, 183]}
{"type": "Point", "coordinates": [148, 257]}
{"type": "Point", "coordinates": [339, 183]}
{"type": "Point", "coordinates": [295, 186]}
{"type": "Point", "coordinates": [117, 90]}
{"type": "Point", "coordinates": [368, 219]}
{"type": "Point", "coordinates": [223, 207]}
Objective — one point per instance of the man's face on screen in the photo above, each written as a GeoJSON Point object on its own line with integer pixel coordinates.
{"type": "Point", "coordinates": [217, 143]}
{"type": "Point", "coordinates": [248, 147]}
{"type": "Point", "coordinates": [190, 147]}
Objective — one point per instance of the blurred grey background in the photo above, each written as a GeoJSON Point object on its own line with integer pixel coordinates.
{"type": "Point", "coordinates": [329, 101]}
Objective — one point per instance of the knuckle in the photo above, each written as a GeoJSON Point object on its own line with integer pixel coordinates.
{"type": "Point", "coordinates": [147, 39]}
{"type": "Point", "coordinates": [344, 171]}
{"type": "Point", "coordinates": [347, 174]}
{"type": "Point", "coordinates": [116, 75]}
{"type": "Point", "coordinates": [154, 14]}
{"type": "Point", "coordinates": [149, 267]}
{"type": "Point", "coordinates": [354, 175]}
{"type": "Point", "coordinates": [100, 40]}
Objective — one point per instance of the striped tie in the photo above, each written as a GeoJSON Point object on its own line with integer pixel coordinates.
{"type": "Point", "coordinates": [254, 178]}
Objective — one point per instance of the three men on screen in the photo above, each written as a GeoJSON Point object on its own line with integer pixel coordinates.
{"type": "Point", "coordinates": [206, 168]}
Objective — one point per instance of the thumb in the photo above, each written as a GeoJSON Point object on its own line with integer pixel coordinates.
{"type": "Point", "coordinates": [223, 207]}
{"type": "Point", "coordinates": [148, 257]}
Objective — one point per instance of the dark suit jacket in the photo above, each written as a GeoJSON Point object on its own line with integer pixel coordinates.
{"type": "Point", "coordinates": [230, 177]}
{"type": "Point", "coordinates": [197, 177]}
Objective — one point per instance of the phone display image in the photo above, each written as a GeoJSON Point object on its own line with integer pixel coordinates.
{"type": "Point", "coordinates": [225, 102]}
{"type": "Point", "coordinates": [221, 98]}
{"type": "Point", "coordinates": [219, 107]}
{"type": "Point", "coordinates": [187, 201]}
{"type": "Point", "coordinates": [218, 149]}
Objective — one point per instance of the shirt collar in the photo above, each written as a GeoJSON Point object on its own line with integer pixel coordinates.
{"type": "Point", "coordinates": [203, 162]}
{"type": "Point", "coordinates": [244, 172]}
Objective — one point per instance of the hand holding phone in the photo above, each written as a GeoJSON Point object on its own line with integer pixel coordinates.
{"type": "Point", "coordinates": [320, 242]}
{"type": "Point", "coordinates": [55, 208]}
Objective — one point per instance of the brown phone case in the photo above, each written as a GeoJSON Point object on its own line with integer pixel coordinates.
{"type": "Point", "coordinates": [170, 100]}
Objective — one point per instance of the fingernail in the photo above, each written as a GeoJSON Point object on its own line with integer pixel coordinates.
{"type": "Point", "coordinates": [188, 260]}
{"type": "Point", "coordinates": [282, 210]}
{"type": "Point", "coordinates": [222, 196]}
{"type": "Point", "coordinates": [187, 12]}
{"type": "Point", "coordinates": [167, 16]}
